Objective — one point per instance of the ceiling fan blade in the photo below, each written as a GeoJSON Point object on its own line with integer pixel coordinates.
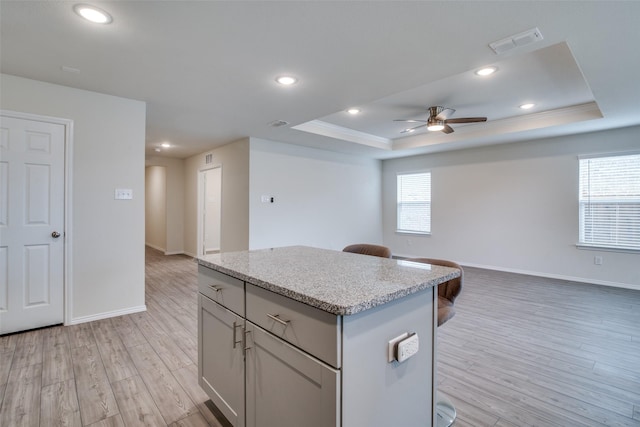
{"type": "Point", "coordinates": [413, 128]}
{"type": "Point", "coordinates": [444, 114]}
{"type": "Point", "coordinates": [467, 120]}
{"type": "Point", "coordinates": [410, 120]}
{"type": "Point", "coordinates": [447, 129]}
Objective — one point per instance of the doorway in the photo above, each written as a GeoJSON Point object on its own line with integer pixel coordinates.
{"type": "Point", "coordinates": [210, 207]}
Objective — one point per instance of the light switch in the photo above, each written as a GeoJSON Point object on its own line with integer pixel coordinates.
{"type": "Point", "coordinates": [124, 194]}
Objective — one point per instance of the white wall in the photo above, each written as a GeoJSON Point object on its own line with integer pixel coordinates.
{"type": "Point", "coordinates": [512, 207]}
{"type": "Point", "coordinates": [106, 274]}
{"type": "Point", "coordinates": [322, 199]}
{"type": "Point", "coordinates": [174, 229]}
{"type": "Point", "coordinates": [234, 160]}
{"type": "Point", "coordinates": [156, 207]}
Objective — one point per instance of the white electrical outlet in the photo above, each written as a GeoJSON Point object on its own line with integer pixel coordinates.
{"type": "Point", "coordinates": [392, 347]}
{"type": "Point", "coordinates": [597, 260]}
{"type": "Point", "coordinates": [407, 348]}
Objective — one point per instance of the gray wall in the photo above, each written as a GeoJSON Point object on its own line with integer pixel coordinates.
{"type": "Point", "coordinates": [106, 269]}
{"type": "Point", "coordinates": [234, 160]}
{"type": "Point", "coordinates": [322, 199]}
{"type": "Point", "coordinates": [512, 207]}
{"type": "Point", "coordinates": [174, 218]}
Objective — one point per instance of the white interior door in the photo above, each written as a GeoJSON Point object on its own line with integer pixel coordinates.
{"type": "Point", "coordinates": [212, 209]}
{"type": "Point", "coordinates": [31, 224]}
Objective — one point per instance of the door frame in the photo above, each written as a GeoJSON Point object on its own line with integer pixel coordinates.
{"type": "Point", "coordinates": [201, 201]}
{"type": "Point", "coordinates": [67, 282]}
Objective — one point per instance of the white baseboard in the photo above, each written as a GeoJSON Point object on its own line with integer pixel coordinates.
{"type": "Point", "coordinates": [556, 276]}
{"type": "Point", "coordinates": [106, 315]}
{"type": "Point", "coordinates": [158, 248]}
{"type": "Point", "coordinates": [163, 250]}
{"type": "Point", "coordinates": [539, 274]}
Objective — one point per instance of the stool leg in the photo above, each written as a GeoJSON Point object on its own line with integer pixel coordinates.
{"type": "Point", "coordinates": [445, 411]}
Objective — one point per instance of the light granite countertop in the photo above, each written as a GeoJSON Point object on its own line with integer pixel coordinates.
{"type": "Point", "coordinates": [337, 282]}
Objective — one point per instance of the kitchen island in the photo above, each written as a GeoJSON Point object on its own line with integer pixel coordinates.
{"type": "Point", "coordinates": [304, 336]}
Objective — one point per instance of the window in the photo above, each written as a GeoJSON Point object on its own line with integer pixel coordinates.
{"type": "Point", "coordinates": [414, 203]}
{"type": "Point", "coordinates": [610, 202]}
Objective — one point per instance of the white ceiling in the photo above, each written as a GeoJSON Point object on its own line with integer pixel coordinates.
{"type": "Point", "coordinates": [206, 69]}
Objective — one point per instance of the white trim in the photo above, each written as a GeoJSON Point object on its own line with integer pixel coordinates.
{"type": "Point", "coordinates": [589, 247]}
{"type": "Point", "coordinates": [557, 276]}
{"type": "Point", "coordinates": [200, 202]}
{"type": "Point", "coordinates": [67, 266]}
{"type": "Point", "coordinates": [157, 248]}
{"type": "Point", "coordinates": [163, 250]}
{"type": "Point", "coordinates": [330, 130]}
{"type": "Point", "coordinates": [174, 253]}
{"type": "Point", "coordinates": [608, 154]}
{"type": "Point", "coordinates": [539, 274]}
{"type": "Point", "coordinates": [106, 315]}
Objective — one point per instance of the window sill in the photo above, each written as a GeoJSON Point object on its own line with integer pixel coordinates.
{"type": "Point", "coordinates": [417, 233]}
{"type": "Point", "coordinates": [588, 247]}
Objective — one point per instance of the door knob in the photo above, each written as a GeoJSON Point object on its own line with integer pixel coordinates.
{"type": "Point", "coordinates": [55, 234]}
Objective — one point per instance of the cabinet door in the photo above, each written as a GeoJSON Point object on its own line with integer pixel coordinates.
{"type": "Point", "coordinates": [287, 387]}
{"type": "Point", "coordinates": [221, 359]}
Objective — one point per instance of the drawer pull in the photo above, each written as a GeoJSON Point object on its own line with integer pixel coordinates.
{"type": "Point", "coordinates": [245, 346]}
{"type": "Point", "coordinates": [215, 288]}
{"type": "Point", "coordinates": [235, 325]}
{"type": "Point", "coordinates": [277, 318]}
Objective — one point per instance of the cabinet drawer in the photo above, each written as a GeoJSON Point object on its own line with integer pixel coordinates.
{"type": "Point", "coordinates": [315, 331]}
{"type": "Point", "coordinates": [225, 290]}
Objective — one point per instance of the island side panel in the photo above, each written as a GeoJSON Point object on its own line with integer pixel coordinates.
{"type": "Point", "coordinates": [376, 392]}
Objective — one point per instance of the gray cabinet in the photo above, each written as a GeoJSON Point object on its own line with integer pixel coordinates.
{"type": "Point", "coordinates": [221, 368]}
{"type": "Point", "coordinates": [287, 387]}
{"type": "Point", "coordinates": [220, 359]}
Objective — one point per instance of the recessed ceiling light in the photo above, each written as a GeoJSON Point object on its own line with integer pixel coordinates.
{"type": "Point", "coordinates": [166, 145]}
{"type": "Point", "coordinates": [486, 71]}
{"type": "Point", "coordinates": [157, 150]}
{"type": "Point", "coordinates": [93, 14]}
{"type": "Point", "coordinates": [286, 80]}
{"type": "Point", "coordinates": [527, 106]}
{"type": "Point", "coordinates": [354, 110]}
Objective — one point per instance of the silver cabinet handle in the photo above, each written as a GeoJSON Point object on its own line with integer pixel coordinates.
{"type": "Point", "coordinates": [215, 288]}
{"type": "Point", "coordinates": [244, 341]}
{"type": "Point", "coordinates": [277, 318]}
{"type": "Point", "coordinates": [235, 325]}
{"type": "Point", "coordinates": [55, 234]}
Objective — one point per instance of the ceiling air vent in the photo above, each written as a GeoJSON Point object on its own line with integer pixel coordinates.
{"type": "Point", "coordinates": [517, 40]}
{"type": "Point", "coordinates": [208, 159]}
{"type": "Point", "coordinates": [278, 123]}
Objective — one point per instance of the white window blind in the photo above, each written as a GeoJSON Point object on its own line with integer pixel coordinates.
{"type": "Point", "coordinates": [414, 203]}
{"type": "Point", "coordinates": [610, 202]}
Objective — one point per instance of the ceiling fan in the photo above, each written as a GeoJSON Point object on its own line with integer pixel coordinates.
{"type": "Point", "coordinates": [439, 120]}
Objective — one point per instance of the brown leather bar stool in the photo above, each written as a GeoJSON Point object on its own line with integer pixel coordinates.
{"type": "Point", "coordinates": [368, 249]}
{"type": "Point", "coordinates": [447, 294]}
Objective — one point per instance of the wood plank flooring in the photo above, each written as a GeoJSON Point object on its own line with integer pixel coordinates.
{"type": "Point", "coordinates": [521, 351]}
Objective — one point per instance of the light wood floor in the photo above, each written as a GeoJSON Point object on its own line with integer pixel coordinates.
{"type": "Point", "coordinates": [521, 351]}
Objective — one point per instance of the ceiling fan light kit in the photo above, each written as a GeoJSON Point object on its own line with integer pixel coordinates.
{"type": "Point", "coordinates": [439, 120]}
{"type": "Point", "coordinates": [434, 125]}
